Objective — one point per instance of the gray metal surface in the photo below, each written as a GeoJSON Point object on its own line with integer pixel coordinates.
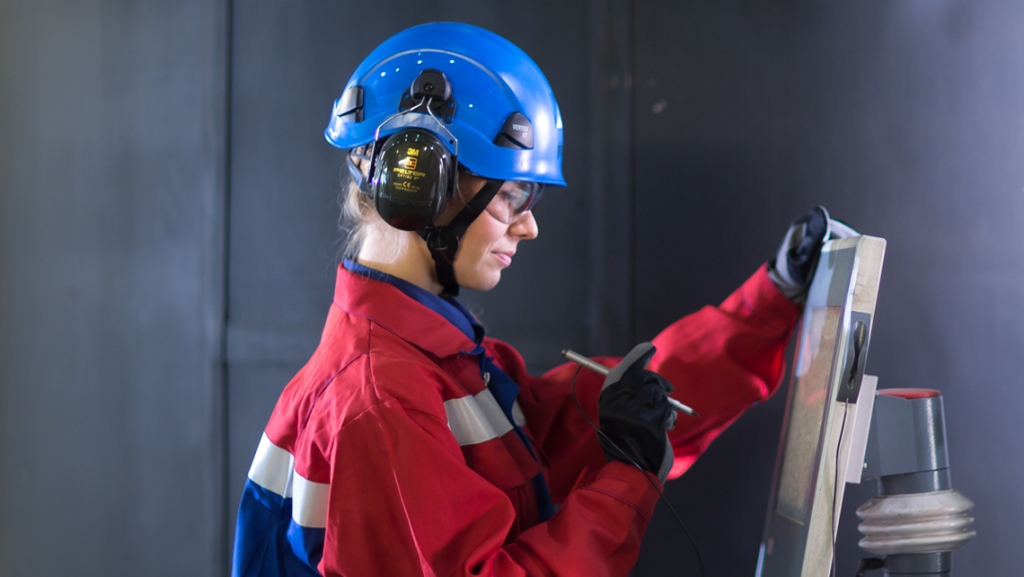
{"type": "Point", "coordinates": [922, 482]}
{"type": "Point", "coordinates": [809, 479]}
{"type": "Point", "coordinates": [907, 445]}
{"type": "Point", "coordinates": [112, 145]}
{"type": "Point", "coordinates": [922, 564]}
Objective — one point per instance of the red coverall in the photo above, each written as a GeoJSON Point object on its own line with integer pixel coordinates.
{"type": "Point", "coordinates": [400, 459]}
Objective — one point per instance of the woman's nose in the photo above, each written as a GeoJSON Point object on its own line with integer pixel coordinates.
{"type": "Point", "coordinates": [524, 227]}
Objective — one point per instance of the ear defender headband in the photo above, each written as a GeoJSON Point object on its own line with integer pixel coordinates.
{"type": "Point", "coordinates": [413, 176]}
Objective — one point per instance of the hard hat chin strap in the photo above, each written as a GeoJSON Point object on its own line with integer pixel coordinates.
{"type": "Point", "coordinates": [443, 241]}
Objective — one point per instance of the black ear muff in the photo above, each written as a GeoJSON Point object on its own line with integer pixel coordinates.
{"type": "Point", "coordinates": [413, 177]}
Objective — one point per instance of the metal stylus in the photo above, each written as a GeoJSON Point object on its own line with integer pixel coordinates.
{"type": "Point", "coordinates": [603, 370]}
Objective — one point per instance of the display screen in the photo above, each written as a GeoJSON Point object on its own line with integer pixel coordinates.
{"type": "Point", "coordinates": [803, 434]}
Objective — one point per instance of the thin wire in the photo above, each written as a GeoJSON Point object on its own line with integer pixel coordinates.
{"type": "Point", "coordinates": [661, 496]}
{"type": "Point", "coordinates": [376, 134]}
{"type": "Point", "coordinates": [451, 136]}
{"type": "Point", "coordinates": [835, 487]}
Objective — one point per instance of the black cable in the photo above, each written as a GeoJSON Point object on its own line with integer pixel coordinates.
{"type": "Point", "coordinates": [661, 495]}
{"type": "Point", "coordinates": [835, 487]}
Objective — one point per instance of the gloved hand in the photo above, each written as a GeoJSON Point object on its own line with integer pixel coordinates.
{"type": "Point", "coordinates": [793, 266]}
{"type": "Point", "coordinates": [634, 414]}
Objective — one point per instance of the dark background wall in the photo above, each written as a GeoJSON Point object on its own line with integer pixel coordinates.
{"type": "Point", "coordinates": [112, 158]}
{"type": "Point", "coordinates": [168, 238]}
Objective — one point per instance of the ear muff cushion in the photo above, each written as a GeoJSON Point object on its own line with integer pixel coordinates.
{"type": "Point", "coordinates": [413, 179]}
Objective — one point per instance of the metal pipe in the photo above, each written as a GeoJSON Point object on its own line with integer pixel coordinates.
{"type": "Point", "coordinates": [603, 370]}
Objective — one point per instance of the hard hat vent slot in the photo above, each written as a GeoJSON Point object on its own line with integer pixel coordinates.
{"type": "Point", "coordinates": [351, 103]}
{"type": "Point", "coordinates": [517, 132]}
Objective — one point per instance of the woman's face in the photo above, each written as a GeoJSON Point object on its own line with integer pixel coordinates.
{"type": "Point", "coordinates": [489, 244]}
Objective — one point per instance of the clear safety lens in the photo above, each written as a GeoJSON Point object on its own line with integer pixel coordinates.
{"type": "Point", "coordinates": [513, 199]}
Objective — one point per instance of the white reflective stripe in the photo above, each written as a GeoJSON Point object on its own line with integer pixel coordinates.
{"type": "Point", "coordinates": [517, 414]}
{"type": "Point", "coordinates": [475, 419]}
{"type": "Point", "coordinates": [492, 410]}
{"type": "Point", "coordinates": [272, 468]}
{"type": "Point", "coordinates": [309, 504]}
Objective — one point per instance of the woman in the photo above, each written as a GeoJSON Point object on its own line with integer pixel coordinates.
{"type": "Point", "coordinates": [410, 444]}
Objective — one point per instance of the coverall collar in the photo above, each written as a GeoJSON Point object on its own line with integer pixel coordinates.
{"type": "Point", "coordinates": [398, 305]}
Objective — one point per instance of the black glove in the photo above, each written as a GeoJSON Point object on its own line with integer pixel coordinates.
{"type": "Point", "coordinates": [793, 266]}
{"type": "Point", "coordinates": [634, 414]}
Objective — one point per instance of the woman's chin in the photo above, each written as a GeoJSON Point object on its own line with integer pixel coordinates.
{"type": "Point", "coordinates": [482, 281]}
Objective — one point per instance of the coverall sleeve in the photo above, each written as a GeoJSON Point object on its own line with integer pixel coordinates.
{"type": "Point", "coordinates": [721, 360]}
{"type": "Point", "coordinates": [402, 501]}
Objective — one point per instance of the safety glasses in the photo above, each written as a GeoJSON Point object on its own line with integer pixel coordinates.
{"type": "Point", "coordinates": [514, 199]}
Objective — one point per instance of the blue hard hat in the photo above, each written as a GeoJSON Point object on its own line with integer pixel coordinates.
{"type": "Point", "coordinates": [502, 112]}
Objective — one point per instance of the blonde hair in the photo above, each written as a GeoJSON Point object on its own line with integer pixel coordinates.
{"type": "Point", "coordinates": [359, 220]}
